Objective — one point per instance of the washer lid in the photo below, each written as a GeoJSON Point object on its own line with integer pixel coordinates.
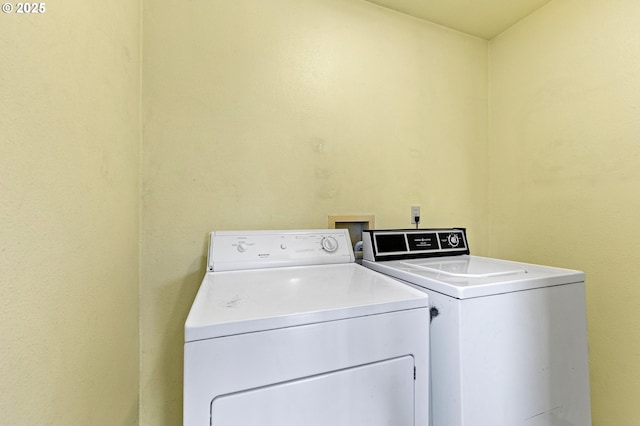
{"type": "Point", "coordinates": [466, 267]}
{"type": "Point", "coordinates": [468, 276]}
{"type": "Point", "coordinates": [236, 302]}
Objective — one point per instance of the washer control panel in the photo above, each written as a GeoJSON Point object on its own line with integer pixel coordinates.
{"type": "Point", "coordinates": [240, 250]}
{"type": "Point", "coordinates": [394, 244]}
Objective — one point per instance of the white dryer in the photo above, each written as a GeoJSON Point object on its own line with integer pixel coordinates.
{"type": "Point", "coordinates": [286, 330]}
{"type": "Point", "coordinates": [508, 340]}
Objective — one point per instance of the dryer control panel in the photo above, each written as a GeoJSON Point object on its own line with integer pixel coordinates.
{"type": "Point", "coordinates": [241, 250]}
{"type": "Point", "coordinates": [393, 244]}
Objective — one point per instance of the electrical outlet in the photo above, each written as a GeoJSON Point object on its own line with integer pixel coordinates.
{"type": "Point", "coordinates": [415, 212]}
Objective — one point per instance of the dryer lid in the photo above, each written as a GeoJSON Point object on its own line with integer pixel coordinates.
{"type": "Point", "coordinates": [236, 302]}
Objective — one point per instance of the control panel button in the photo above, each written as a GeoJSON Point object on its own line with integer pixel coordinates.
{"type": "Point", "coordinates": [454, 240]}
{"type": "Point", "coordinates": [329, 244]}
{"type": "Point", "coordinates": [242, 247]}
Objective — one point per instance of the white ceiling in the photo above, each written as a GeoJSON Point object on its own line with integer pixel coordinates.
{"type": "Point", "coordinates": [482, 18]}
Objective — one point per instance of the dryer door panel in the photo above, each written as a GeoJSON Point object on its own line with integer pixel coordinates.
{"type": "Point", "coordinates": [378, 394]}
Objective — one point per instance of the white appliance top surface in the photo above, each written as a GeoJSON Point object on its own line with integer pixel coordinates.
{"type": "Point", "coordinates": [469, 276]}
{"type": "Point", "coordinates": [235, 302]}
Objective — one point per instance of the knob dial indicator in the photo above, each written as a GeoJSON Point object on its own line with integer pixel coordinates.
{"type": "Point", "coordinates": [329, 244]}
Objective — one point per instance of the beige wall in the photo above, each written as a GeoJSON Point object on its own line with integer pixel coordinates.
{"type": "Point", "coordinates": [69, 167]}
{"type": "Point", "coordinates": [275, 114]}
{"type": "Point", "coordinates": [565, 172]}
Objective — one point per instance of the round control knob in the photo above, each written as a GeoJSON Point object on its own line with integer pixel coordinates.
{"type": "Point", "coordinates": [329, 244]}
{"type": "Point", "coordinates": [242, 247]}
{"type": "Point", "coordinates": [454, 240]}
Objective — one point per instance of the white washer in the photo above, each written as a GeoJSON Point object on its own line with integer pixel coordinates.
{"type": "Point", "coordinates": [286, 330]}
{"type": "Point", "coordinates": [508, 340]}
